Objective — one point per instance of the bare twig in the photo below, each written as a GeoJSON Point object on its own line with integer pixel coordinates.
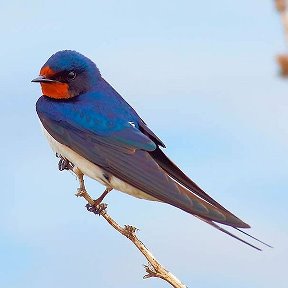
{"type": "Point", "coordinates": [281, 6]}
{"type": "Point", "coordinates": [282, 59]}
{"type": "Point", "coordinates": [154, 268]}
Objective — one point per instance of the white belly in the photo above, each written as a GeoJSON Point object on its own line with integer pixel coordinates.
{"type": "Point", "coordinates": [93, 171]}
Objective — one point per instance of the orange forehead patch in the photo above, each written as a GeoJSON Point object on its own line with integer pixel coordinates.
{"type": "Point", "coordinates": [46, 71]}
{"type": "Point", "coordinates": [55, 90]}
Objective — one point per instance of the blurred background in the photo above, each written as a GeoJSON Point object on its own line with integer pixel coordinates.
{"type": "Point", "coordinates": [203, 75]}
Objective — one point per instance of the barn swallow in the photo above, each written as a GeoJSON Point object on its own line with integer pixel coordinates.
{"type": "Point", "coordinates": [92, 127]}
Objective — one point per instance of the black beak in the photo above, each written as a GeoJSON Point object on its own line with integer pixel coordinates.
{"type": "Point", "coordinates": [43, 79]}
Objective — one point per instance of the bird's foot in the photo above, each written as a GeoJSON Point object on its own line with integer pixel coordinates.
{"type": "Point", "coordinates": [94, 206]}
{"type": "Point", "coordinates": [64, 164]}
{"type": "Point", "coordinates": [97, 209]}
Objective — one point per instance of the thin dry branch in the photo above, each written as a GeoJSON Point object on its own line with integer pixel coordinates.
{"type": "Point", "coordinates": [282, 59]}
{"type": "Point", "coordinates": [281, 6]}
{"type": "Point", "coordinates": [154, 268]}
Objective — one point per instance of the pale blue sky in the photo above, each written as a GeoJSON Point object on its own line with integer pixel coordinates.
{"type": "Point", "coordinates": [203, 76]}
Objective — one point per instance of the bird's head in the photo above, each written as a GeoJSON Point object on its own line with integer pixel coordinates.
{"type": "Point", "coordinates": [67, 74]}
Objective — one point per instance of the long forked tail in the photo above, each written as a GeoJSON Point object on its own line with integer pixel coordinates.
{"type": "Point", "coordinates": [218, 227]}
{"type": "Point", "coordinates": [247, 234]}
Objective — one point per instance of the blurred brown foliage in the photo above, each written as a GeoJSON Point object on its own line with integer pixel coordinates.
{"type": "Point", "coordinates": [280, 5]}
{"type": "Point", "coordinates": [283, 63]}
{"type": "Point", "coordinates": [282, 59]}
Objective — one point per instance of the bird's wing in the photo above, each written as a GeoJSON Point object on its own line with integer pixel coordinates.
{"type": "Point", "coordinates": [126, 155]}
{"type": "Point", "coordinates": [176, 173]}
{"type": "Point", "coordinates": [172, 169]}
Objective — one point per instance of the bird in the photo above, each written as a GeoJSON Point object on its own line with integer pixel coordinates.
{"type": "Point", "coordinates": [95, 131]}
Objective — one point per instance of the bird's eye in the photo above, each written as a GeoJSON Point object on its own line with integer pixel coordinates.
{"type": "Point", "coordinates": [71, 75]}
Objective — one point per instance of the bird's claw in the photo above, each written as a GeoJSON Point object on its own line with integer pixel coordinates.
{"type": "Point", "coordinates": [64, 164]}
{"type": "Point", "coordinates": [97, 209]}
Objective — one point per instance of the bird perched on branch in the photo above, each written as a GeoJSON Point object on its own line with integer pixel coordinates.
{"type": "Point", "coordinates": [97, 133]}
